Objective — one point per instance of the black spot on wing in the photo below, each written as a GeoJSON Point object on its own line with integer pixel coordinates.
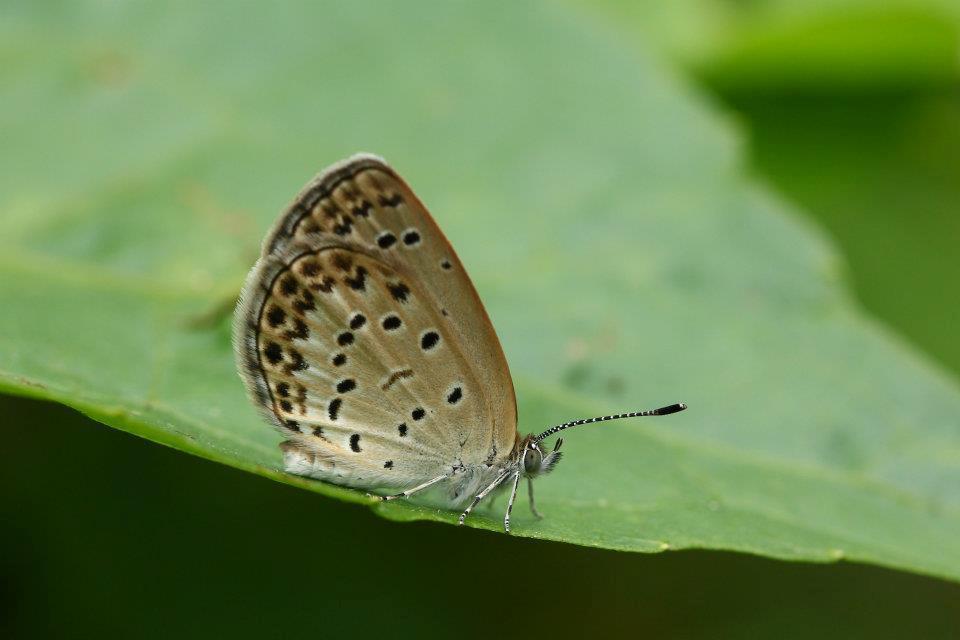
{"type": "Point", "coordinates": [345, 338]}
{"type": "Point", "coordinates": [299, 332]}
{"type": "Point", "coordinates": [386, 240]}
{"type": "Point", "coordinates": [288, 285]}
{"type": "Point", "coordinates": [309, 268]}
{"type": "Point", "coordinates": [429, 340]}
{"type": "Point", "coordinates": [391, 323]}
{"type": "Point", "coordinates": [333, 409]}
{"type": "Point", "coordinates": [330, 209]}
{"type": "Point", "coordinates": [325, 285]}
{"type": "Point", "coordinates": [362, 210]}
{"type": "Point", "coordinates": [273, 353]}
{"type": "Point", "coordinates": [306, 303]}
{"type": "Point", "coordinates": [345, 386]}
{"type": "Point", "coordinates": [355, 443]}
{"type": "Point", "coordinates": [297, 363]}
{"type": "Point", "coordinates": [302, 399]}
{"type": "Point", "coordinates": [358, 281]}
{"type": "Point", "coordinates": [343, 227]}
{"type": "Point", "coordinates": [276, 316]}
{"type": "Point", "coordinates": [455, 395]}
{"type": "Point", "coordinates": [357, 321]}
{"type": "Point", "coordinates": [390, 201]}
{"type": "Point", "coordinates": [399, 291]}
{"type": "Point", "coordinates": [343, 262]}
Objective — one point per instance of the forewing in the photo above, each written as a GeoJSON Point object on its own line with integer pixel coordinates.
{"type": "Point", "coordinates": [360, 335]}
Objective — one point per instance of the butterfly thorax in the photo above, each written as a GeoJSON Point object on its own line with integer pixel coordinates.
{"type": "Point", "coordinates": [526, 458]}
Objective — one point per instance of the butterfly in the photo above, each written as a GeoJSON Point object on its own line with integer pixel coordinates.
{"type": "Point", "coordinates": [359, 336]}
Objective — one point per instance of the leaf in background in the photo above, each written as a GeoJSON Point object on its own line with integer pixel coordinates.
{"type": "Point", "coordinates": [601, 210]}
{"type": "Point", "coordinates": [879, 171]}
{"type": "Point", "coordinates": [790, 45]}
{"type": "Point", "coordinates": [851, 110]}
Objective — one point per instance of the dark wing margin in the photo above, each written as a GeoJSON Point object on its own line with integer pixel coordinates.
{"type": "Point", "coordinates": [319, 188]}
{"type": "Point", "coordinates": [246, 329]}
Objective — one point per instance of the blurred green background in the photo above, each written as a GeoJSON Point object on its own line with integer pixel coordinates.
{"type": "Point", "coordinates": [851, 110]}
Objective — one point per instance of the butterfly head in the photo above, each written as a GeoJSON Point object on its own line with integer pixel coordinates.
{"type": "Point", "coordinates": [537, 462]}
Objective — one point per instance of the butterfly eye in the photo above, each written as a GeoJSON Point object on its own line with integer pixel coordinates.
{"type": "Point", "coordinates": [532, 459]}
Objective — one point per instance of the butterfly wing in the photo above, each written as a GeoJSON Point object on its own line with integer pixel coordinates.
{"type": "Point", "coordinates": [360, 336]}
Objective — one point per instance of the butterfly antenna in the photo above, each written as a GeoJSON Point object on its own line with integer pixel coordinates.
{"type": "Point", "coordinates": [662, 411]}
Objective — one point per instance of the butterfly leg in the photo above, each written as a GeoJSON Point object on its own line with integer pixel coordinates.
{"type": "Point", "coordinates": [533, 505]}
{"type": "Point", "coordinates": [483, 494]}
{"type": "Point", "coordinates": [409, 492]}
{"type": "Point", "coordinates": [513, 496]}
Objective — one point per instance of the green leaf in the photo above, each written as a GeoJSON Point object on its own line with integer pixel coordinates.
{"type": "Point", "coordinates": [791, 45]}
{"type": "Point", "coordinates": [625, 258]}
{"type": "Point", "coordinates": [890, 199]}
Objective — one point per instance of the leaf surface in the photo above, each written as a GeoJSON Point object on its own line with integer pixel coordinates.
{"type": "Point", "coordinates": [624, 256]}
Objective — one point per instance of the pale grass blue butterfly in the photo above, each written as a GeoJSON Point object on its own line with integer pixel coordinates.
{"type": "Point", "coordinates": [361, 338]}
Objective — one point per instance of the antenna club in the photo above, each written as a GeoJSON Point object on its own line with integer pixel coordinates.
{"type": "Point", "coordinates": [674, 408]}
